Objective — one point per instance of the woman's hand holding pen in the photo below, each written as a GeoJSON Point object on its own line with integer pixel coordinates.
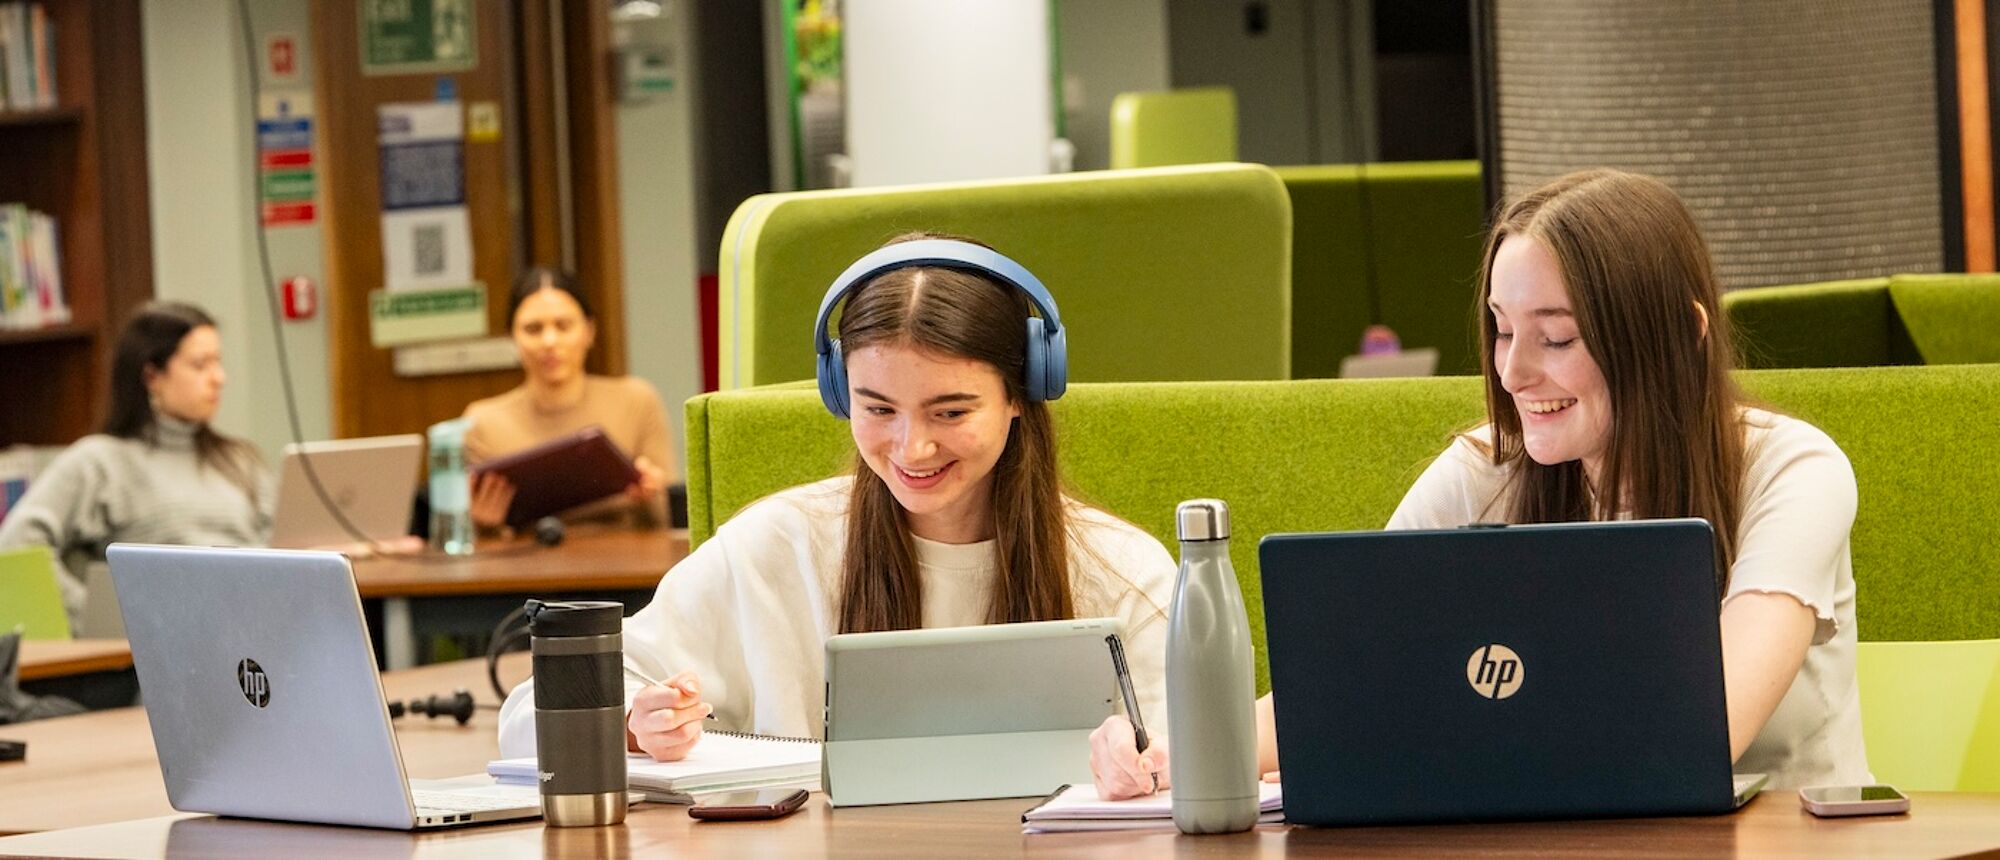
{"type": "Point", "coordinates": [666, 718]}
{"type": "Point", "coordinates": [1118, 766]}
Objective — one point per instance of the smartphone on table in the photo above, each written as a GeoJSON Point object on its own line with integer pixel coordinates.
{"type": "Point", "coordinates": [748, 805]}
{"type": "Point", "coordinates": [1829, 801]}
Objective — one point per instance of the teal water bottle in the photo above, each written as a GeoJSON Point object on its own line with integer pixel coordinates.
{"type": "Point", "coordinates": [1211, 683]}
{"type": "Point", "coordinates": [451, 491]}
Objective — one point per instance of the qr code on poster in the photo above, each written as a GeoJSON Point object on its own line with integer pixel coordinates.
{"type": "Point", "coordinates": [429, 242]}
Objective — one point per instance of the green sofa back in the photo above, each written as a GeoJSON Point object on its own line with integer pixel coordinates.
{"type": "Point", "coordinates": [1952, 319]}
{"type": "Point", "coordinates": [1135, 259]}
{"type": "Point", "coordinates": [1396, 243]}
{"type": "Point", "coordinates": [1191, 126]}
{"type": "Point", "coordinates": [1903, 319]}
{"type": "Point", "coordinates": [1314, 455]}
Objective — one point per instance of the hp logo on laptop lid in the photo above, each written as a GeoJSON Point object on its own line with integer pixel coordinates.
{"type": "Point", "coordinates": [1495, 671]}
{"type": "Point", "coordinates": [256, 686]}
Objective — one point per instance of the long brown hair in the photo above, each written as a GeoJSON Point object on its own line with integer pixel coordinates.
{"type": "Point", "coordinates": [968, 315]}
{"type": "Point", "coordinates": [1634, 265]}
{"type": "Point", "coordinates": [149, 340]}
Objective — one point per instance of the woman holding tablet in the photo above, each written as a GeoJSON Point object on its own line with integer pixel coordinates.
{"type": "Point", "coordinates": [1608, 396]}
{"type": "Point", "coordinates": [954, 514]}
{"type": "Point", "coordinates": [553, 330]}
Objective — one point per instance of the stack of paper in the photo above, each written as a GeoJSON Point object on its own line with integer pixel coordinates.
{"type": "Point", "coordinates": [1077, 807]}
{"type": "Point", "coordinates": [719, 762]}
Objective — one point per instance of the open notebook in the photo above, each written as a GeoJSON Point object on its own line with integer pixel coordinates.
{"type": "Point", "coordinates": [721, 761]}
{"type": "Point", "coordinates": [1077, 807]}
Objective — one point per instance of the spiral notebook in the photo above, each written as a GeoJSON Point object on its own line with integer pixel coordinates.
{"type": "Point", "coordinates": [721, 761]}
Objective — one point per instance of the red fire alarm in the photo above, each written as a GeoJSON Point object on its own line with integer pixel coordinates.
{"type": "Point", "coordinates": [301, 298]}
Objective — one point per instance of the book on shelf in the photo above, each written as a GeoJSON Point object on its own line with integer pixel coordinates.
{"type": "Point", "coordinates": [19, 464]}
{"type": "Point", "coordinates": [27, 57]}
{"type": "Point", "coordinates": [31, 287]}
{"type": "Point", "coordinates": [720, 761]}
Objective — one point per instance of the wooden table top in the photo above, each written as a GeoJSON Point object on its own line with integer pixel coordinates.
{"type": "Point", "coordinates": [1940, 825]}
{"type": "Point", "coordinates": [60, 658]}
{"type": "Point", "coordinates": [591, 558]}
{"type": "Point", "coordinates": [92, 769]}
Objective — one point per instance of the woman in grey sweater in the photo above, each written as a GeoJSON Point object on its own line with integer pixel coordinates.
{"type": "Point", "coordinates": [157, 473]}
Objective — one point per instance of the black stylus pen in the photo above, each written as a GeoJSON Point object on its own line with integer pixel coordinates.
{"type": "Point", "coordinates": [1125, 689]}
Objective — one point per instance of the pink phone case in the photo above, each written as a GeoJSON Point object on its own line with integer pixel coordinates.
{"type": "Point", "coordinates": [1843, 808]}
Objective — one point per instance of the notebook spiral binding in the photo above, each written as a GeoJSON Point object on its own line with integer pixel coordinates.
{"type": "Point", "coordinates": [753, 736]}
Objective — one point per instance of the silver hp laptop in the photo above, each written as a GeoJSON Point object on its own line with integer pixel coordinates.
{"type": "Point", "coordinates": [1547, 671]}
{"type": "Point", "coordinates": [261, 689]}
{"type": "Point", "coordinates": [373, 480]}
{"type": "Point", "coordinates": [964, 713]}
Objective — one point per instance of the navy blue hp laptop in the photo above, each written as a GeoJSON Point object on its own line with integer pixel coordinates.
{"type": "Point", "coordinates": [1548, 671]}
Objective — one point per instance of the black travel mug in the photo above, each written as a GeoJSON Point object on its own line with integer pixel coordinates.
{"type": "Point", "coordinates": [579, 710]}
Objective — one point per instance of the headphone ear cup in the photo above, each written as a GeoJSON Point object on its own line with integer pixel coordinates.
{"type": "Point", "coordinates": [833, 381]}
{"type": "Point", "coordinates": [1055, 364]}
{"type": "Point", "coordinates": [1036, 353]}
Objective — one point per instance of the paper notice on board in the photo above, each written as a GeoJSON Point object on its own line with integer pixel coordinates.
{"type": "Point", "coordinates": [426, 248]}
{"type": "Point", "coordinates": [423, 154]}
{"type": "Point", "coordinates": [426, 233]}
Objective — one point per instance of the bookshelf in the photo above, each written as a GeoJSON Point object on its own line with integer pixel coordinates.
{"type": "Point", "coordinates": [84, 162]}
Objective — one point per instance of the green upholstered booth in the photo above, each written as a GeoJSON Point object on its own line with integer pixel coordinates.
{"type": "Point", "coordinates": [1163, 273]}
{"type": "Point", "coordinates": [1930, 712]}
{"type": "Point", "coordinates": [1833, 324]}
{"type": "Point", "coordinates": [1903, 319]}
{"type": "Point", "coordinates": [1339, 454]}
{"type": "Point", "coordinates": [1333, 283]}
{"type": "Point", "coordinates": [1952, 319]}
{"type": "Point", "coordinates": [30, 597]}
{"type": "Point", "coordinates": [1427, 226]}
{"type": "Point", "coordinates": [1395, 243]}
{"type": "Point", "coordinates": [1191, 126]}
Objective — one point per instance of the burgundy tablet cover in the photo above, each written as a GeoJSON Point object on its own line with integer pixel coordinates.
{"type": "Point", "coordinates": [562, 473]}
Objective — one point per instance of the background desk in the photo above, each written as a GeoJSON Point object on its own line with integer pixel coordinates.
{"type": "Point", "coordinates": [94, 673]}
{"type": "Point", "coordinates": [589, 559]}
{"type": "Point", "coordinates": [58, 658]}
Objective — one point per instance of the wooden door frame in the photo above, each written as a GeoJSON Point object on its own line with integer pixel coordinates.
{"type": "Point", "coordinates": [523, 44]}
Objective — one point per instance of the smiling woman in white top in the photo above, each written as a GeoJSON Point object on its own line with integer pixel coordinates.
{"type": "Point", "coordinates": [954, 514]}
{"type": "Point", "coordinates": [1608, 396]}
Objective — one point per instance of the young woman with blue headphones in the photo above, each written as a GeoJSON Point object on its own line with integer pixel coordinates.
{"type": "Point", "coordinates": [954, 514]}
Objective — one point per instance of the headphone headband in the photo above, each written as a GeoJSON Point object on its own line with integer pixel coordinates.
{"type": "Point", "coordinates": [1047, 354]}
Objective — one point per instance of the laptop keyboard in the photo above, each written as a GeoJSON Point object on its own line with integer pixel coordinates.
{"type": "Point", "coordinates": [441, 802]}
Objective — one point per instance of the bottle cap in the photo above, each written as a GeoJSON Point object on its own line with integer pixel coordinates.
{"type": "Point", "coordinates": [1202, 519]}
{"type": "Point", "coordinates": [575, 617]}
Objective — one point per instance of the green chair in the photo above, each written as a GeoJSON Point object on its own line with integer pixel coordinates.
{"type": "Point", "coordinates": [1930, 712]}
{"type": "Point", "coordinates": [1192, 126]}
{"type": "Point", "coordinates": [1162, 274]}
{"type": "Point", "coordinates": [30, 597]}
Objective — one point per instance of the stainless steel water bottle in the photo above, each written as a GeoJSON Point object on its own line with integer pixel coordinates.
{"type": "Point", "coordinates": [1211, 684]}
{"type": "Point", "coordinates": [579, 710]}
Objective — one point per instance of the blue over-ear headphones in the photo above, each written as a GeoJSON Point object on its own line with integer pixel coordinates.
{"type": "Point", "coordinates": [1047, 369]}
